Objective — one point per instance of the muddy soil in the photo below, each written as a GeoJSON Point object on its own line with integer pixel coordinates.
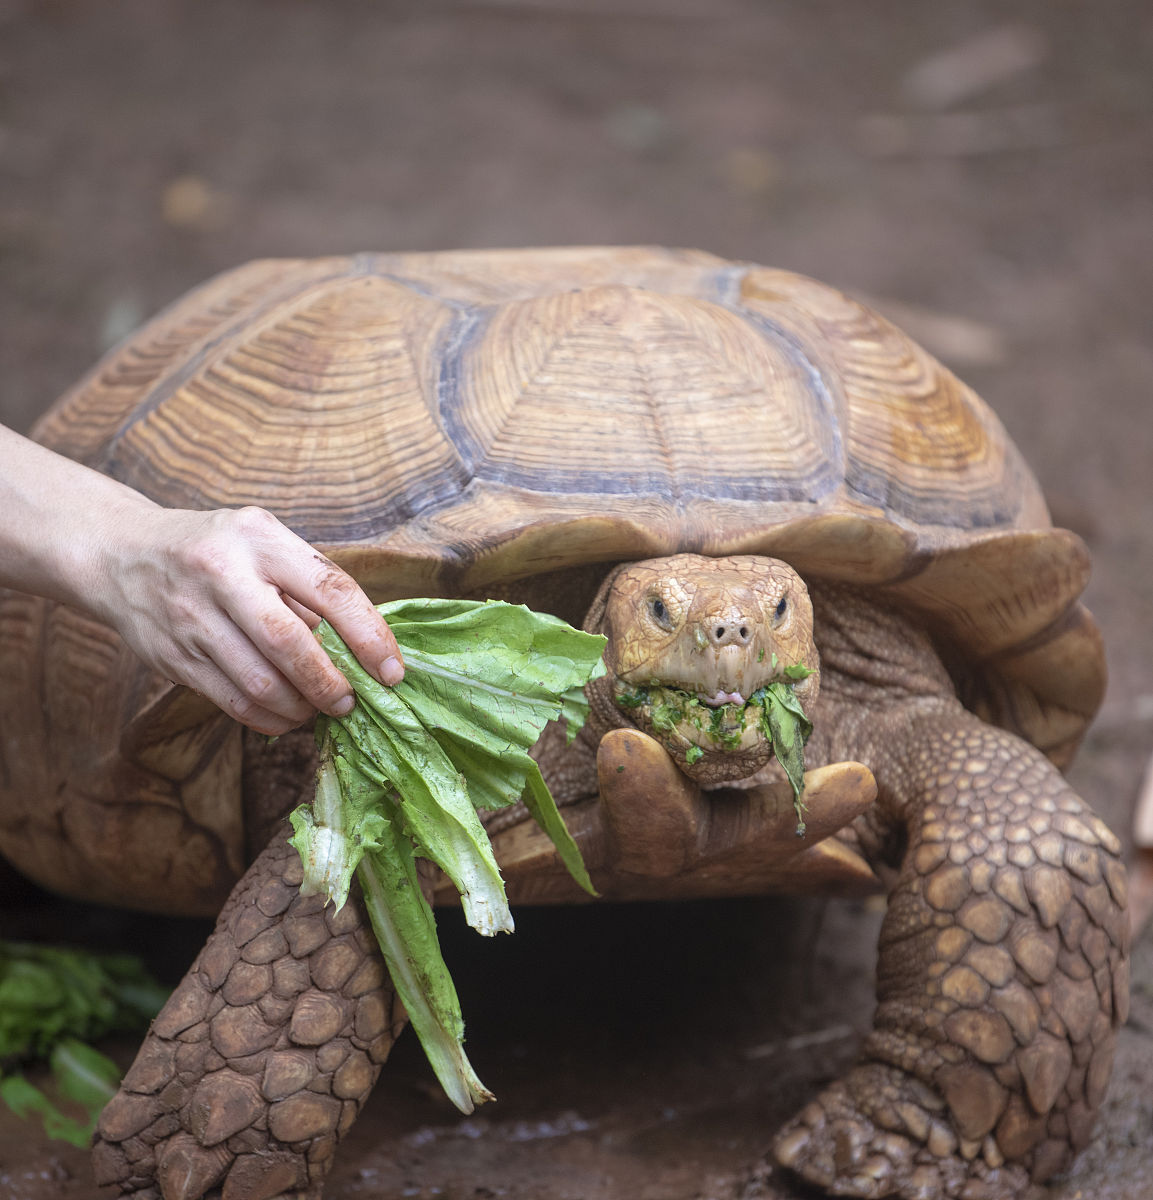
{"type": "Point", "coordinates": [981, 171]}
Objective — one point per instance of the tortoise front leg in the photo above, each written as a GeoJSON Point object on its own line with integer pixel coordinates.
{"type": "Point", "coordinates": [1002, 978]}
{"type": "Point", "coordinates": [262, 1057]}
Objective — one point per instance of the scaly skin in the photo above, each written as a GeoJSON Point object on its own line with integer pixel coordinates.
{"type": "Point", "coordinates": [1002, 971]}
{"type": "Point", "coordinates": [262, 1057]}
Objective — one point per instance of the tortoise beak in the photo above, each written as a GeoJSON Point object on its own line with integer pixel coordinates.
{"type": "Point", "coordinates": [723, 656]}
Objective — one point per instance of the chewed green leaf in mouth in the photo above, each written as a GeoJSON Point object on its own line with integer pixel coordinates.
{"type": "Point", "coordinates": [692, 726]}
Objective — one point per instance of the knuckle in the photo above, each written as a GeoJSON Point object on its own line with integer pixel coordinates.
{"type": "Point", "coordinates": [260, 719]}
{"type": "Point", "coordinates": [253, 519]}
{"type": "Point", "coordinates": [249, 712]}
{"type": "Point", "coordinates": [281, 629]}
{"type": "Point", "coordinates": [337, 586]}
{"type": "Point", "coordinates": [223, 537]}
{"type": "Point", "coordinates": [184, 610]}
{"type": "Point", "coordinates": [305, 665]}
{"type": "Point", "coordinates": [258, 687]}
{"type": "Point", "coordinates": [273, 698]}
{"type": "Point", "coordinates": [322, 684]}
{"type": "Point", "coordinates": [206, 555]}
{"type": "Point", "coordinates": [229, 535]}
{"type": "Point", "coordinates": [242, 707]}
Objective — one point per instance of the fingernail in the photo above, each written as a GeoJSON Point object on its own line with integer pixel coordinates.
{"type": "Point", "coordinates": [344, 706]}
{"type": "Point", "coordinates": [391, 670]}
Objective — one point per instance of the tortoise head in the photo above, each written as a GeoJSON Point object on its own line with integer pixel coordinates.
{"type": "Point", "coordinates": [691, 641]}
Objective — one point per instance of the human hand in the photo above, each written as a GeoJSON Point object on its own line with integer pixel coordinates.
{"type": "Point", "coordinates": [222, 601]}
{"type": "Point", "coordinates": [225, 602]}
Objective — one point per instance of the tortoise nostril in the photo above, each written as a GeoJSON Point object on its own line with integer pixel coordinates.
{"type": "Point", "coordinates": [730, 634]}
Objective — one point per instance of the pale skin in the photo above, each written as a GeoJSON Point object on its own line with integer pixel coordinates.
{"type": "Point", "coordinates": [223, 601]}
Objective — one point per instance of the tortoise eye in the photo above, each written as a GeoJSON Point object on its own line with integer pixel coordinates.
{"type": "Point", "coordinates": [660, 611]}
{"type": "Point", "coordinates": [780, 610]}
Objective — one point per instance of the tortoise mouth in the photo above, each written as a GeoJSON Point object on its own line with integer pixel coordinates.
{"type": "Point", "coordinates": [723, 736]}
{"type": "Point", "coordinates": [721, 698]}
{"type": "Point", "coordinates": [692, 725]}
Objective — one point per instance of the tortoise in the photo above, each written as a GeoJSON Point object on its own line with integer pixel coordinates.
{"type": "Point", "coordinates": [728, 469]}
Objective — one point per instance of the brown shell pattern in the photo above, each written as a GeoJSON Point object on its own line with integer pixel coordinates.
{"type": "Point", "coordinates": [445, 423]}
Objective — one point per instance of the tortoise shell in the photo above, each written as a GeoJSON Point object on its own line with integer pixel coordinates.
{"type": "Point", "coordinates": [498, 423]}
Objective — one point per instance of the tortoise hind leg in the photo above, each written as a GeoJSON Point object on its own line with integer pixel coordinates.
{"type": "Point", "coordinates": [262, 1057]}
{"type": "Point", "coordinates": [1002, 978]}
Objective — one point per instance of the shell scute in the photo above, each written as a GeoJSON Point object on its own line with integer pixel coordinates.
{"type": "Point", "coordinates": [615, 391]}
{"type": "Point", "coordinates": [919, 444]}
{"type": "Point", "coordinates": [351, 365]}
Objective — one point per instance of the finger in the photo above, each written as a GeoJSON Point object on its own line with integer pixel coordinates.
{"type": "Point", "coordinates": [311, 619]}
{"type": "Point", "coordinates": [350, 612]}
{"type": "Point", "coordinates": [319, 586]}
{"type": "Point", "coordinates": [287, 650]}
{"type": "Point", "coordinates": [251, 700]}
{"type": "Point", "coordinates": [261, 720]}
{"type": "Point", "coordinates": [251, 682]}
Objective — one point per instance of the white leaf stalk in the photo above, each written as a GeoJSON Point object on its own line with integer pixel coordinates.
{"type": "Point", "coordinates": [439, 1026]}
{"type": "Point", "coordinates": [321, 837]}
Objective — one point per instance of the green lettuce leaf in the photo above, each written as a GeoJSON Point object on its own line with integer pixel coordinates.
{"type": "Point", "coordinates": [50, 998]}
{"type": "Point", "coordinates": [51, 992]}
{"type": "Point", "coordinates": [404, 774]}
{"type": "Point", "coordinates": [784, 723]}
{"type": "Point", "coordinates": [80, 1074]}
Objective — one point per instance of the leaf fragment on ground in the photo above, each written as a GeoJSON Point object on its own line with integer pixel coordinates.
{"type": "Point", "coordinates": [51, 997]}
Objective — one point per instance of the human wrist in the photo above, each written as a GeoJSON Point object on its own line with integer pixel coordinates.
{"type": "Point", "coordinates": [105, 552]}
{"type": "Point", "coordinates": [63, 524]}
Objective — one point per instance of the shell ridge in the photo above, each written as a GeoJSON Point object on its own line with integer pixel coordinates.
{"type": "Point", "coordinates": [816, 487]}
{"type": "Point", "coordinates": [723, 286]}
{"type": "Point", "coordinates": [675, 494]}
{"type": "Point", "coordinates": [419, 286]}
{"type": "Point", "coordinates": [364, 263]}
{"type": "Point", "coordinates": [451, 385]}
{"type": "Point", "coordinates": [168, 384]}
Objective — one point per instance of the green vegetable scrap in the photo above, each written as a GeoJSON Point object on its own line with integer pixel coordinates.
{"type": "Point", "coordinates": [51, 997]}
{"type": "Point", "coordinates": [777, 710]}
{"type": "Point", "coordinates": [403, 775]}
{"type": "Point", "coordinates": [784, 723]}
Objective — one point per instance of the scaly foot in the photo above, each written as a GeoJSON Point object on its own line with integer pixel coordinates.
{"type": "Point", "coordinates": [880, 1132]}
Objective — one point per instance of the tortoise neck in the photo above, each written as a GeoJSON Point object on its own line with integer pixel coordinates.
{"type": "Point", "coordinates": [873, 651]}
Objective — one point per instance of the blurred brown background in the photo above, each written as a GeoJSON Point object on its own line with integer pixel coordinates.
{"type": "Point", "coordinates": [982, 172]}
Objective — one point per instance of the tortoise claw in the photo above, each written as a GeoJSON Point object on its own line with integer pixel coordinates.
{"type": "Point", "coordinates": [655, 816]}
{"type": "Point", "coordinates": [658, 824]}
{"type": "Point", "coordinates": [651, 834]}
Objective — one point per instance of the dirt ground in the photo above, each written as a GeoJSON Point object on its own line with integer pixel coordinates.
{"type": "Point", "coordinates": [981, 170]}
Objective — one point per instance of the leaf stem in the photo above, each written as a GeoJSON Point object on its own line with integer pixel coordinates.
{"type": "Point", "coordinates": [442, 1044]}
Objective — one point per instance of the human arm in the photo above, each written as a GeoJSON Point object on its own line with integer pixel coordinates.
{"type": "Point", "coordinates": [222, 601]}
